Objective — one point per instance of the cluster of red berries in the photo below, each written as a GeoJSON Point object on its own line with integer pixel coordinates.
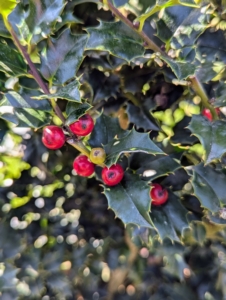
{"type": "Point", "coordinates": [54, 138]}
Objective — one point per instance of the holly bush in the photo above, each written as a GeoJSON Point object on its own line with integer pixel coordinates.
{"type": "Point", "coordinates": [151, 76]}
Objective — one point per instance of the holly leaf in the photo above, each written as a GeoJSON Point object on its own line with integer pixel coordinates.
{"type": "Point", "coordinates": [182, 70]}
{"type": "Point", "coordinates": [63, 56]}
{"type": "Point", "coordinates": [160, 4]}
{"type": "Point", "coordinates": [133, 142]}
{"type": "Point", "coordinates": [152, 167]}
{"type": "Point", "coordinates": [130, 200]}
{"type": "Point", "coordinates": [141, 118]}
{"type": "Point", "coordinates": [105, 130]}
{"type": "Point", "coordinates": [208, 184]}
{"type": "Point", "coordinates": [103, 87]}
{"type": "Point", "coordinates": [170, 219]}
{"type": "Point", "coordinates": [42, 16]}
{"type": "Point", "coordinates": [6, 7]}
{"type": "Point", "coordinates": [220, 99]}
{"type": "Point", "coordinates": [75, 111]}
{"type": "Point", "coordinates": [24, 112]}
{"type": "Point", "coordinates": [68, 92]}
{"type": "Point", "coordinates": [11, 61]}
{"type": "Point", "coordinates": [211, 136]}
{"type": "Point", "coordinates": [16, 100]}
{"type": "Point", "coordinates": [116, 38]}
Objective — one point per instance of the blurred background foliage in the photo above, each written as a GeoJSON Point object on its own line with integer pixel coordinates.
{"type": "Point", "coordinates": [58, 239]}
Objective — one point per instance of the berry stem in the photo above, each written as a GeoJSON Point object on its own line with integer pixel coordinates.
{"type": "Point", "coordinates": [79, 146]}
{"type": "Point", "coordinates": [200, 91]}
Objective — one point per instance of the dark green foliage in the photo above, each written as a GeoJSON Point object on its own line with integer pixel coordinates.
{"type": "Point", "coordinates": [67, 237]}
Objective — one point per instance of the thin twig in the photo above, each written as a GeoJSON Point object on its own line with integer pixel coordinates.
{"type": "Point", "coordinates": [198, 88]}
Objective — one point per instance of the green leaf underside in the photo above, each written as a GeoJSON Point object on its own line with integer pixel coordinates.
{"type": "Point", "coordinates": [133, 142]}
{"type": "Point", "coordinates": [211, 135]}
{"type": "Point", "coordinates": [130, 200]}
{"type": "Point", "coordinates": [170, 218]}
{"type": "Point", "coordinates": [209, 187]}
{"type": "Point", "coordinates": [68, 92]}
{"type": "Point", "coordinates": [75, 111]}
{"type": "Point", "coordinates": [105, 130]}
{"type": "Point", "coordinates": [152, 167]}
{"type": "Point", "coordinates": [117, 38]}
{"type": "Point", "coordinates": [11, 61]}
{"type": "Point", "coordinates": [63, 56]}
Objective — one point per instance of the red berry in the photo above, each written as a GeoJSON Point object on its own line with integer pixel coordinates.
{"type": "Point", "coordinates": [83, 166]}
{"type": "Point", "coordinates": [113, 175]}
{"type": "Point", "coordinates": [158, 195]}
{"type": "Point", "coordinates": [53, 137]}
{"type": "Point", "coordinates": [207, 113]}
{"type": "Point", "coordinates": [83, 126]}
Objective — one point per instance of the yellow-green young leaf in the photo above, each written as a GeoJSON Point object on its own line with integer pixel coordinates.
{"type": "Point", "coordinates": [6, 6]}
{"type": "Point", "coordinates": [17, 201]}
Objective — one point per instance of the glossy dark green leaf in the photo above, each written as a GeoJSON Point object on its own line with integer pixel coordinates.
{"type": "Point", "coordinates": [182, 70]}
{"type": "Point", "coordinates": [152, 167]}
{"type": "Point", "coordinates": [63, 56]}
{"type": "Point", "coordinates": [141, 118]}
{"type": "Point", "coordinates": [130, 200]}
{"type": "Point", "coordinates": [182, 135]}
{"type": "Point", "coordinates": [43, 14]}
{"type": "Point", "coordinates": [13, 99]}
{"type": "Point", "coordinates": [220, 92]}
{"type": "Point", "coordinates": [11, 61]}
{"type": "Point", "coordinates": [170, 218]}
{"type": "Point", "coordinates": [117, 38]}
{"type": "Point", "coordinates": [133, 142]}
{"type": "Point", "coordinates": [208, 185]}
{"type": "Point", "coordinates": [211, 136]}
{"type": "Point", "coordinates": [180, 26]}
{"type": "Point", "coordinates": [75, 111]}
{"type": "Point", "coordinates": [24, 112]}
{"type": "Point", "coordinates": [103, 87]}
{"type": "Point", "coordinates": [156, 6]}
{"type": "Point", "coordinates": [105, 130]}
{"type": "Point", "coordinates": [68, 92]}
{"type": "Point", "coordinates": [67, 18]}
